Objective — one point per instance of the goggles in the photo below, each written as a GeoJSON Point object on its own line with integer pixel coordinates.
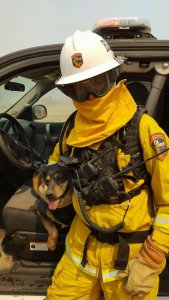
{"type": "Point", "coordinates": [98, 86]}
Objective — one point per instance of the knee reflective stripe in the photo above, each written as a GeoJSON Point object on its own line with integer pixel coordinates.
{"type": "Point", "coordinates": [106, 276]}
{"type": "Point", "coordinates": [110, 276]}
{"type": "Point", "coordinates": [77, 261]}
{"type": "Point", "coordinates": [162, 220]}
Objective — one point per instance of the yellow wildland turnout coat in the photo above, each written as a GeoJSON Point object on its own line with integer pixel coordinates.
{"type": "Point", "coordinates": [94, 122]}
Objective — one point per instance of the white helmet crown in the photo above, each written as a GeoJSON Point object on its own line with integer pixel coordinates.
{"type": "Point", "coordinates": [84, 55]}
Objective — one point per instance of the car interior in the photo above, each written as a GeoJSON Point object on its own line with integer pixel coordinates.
{"type": "Point", "coordinates": [30, 128]}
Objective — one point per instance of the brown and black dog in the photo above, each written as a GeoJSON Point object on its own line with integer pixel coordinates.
{"type": "Point", "coordinates": [52, 184]}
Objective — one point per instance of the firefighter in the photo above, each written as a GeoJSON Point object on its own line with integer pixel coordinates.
{"type": "Point", "coordinates": [118, 241]}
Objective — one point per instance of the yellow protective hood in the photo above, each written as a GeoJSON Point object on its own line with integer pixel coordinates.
{"type": "Point", "coordinates": [99, 118]}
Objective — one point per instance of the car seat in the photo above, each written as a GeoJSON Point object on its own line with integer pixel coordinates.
{"type": "Point", "coordinates": [24, 228]}
{"type": "Point", "coordinates": [138, 91]}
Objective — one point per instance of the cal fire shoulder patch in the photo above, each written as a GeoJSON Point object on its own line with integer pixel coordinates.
{"type": "Point", "coordinates": [158, 143]}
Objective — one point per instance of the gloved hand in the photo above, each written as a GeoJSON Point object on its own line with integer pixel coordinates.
{"type": "Point", "coordinates": [143, 269]}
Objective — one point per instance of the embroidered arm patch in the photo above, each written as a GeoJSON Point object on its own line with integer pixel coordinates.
{"type": "Point", "coordinates": [158, 143]}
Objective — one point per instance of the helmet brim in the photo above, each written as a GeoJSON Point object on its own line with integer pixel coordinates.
{"type": "Point", "coordinates": [88, 73]}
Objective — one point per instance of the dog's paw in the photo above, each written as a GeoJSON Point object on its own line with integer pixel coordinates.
{"type": "Point", "coordinates": [52, 238]}
{"type": "Point", "coordinates": [52, 243]}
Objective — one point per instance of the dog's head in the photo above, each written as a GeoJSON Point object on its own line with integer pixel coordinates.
{"type": "Point", "coordinates": [51, 183]}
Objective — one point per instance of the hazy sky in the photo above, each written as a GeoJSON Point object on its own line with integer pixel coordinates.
{"type": "Point", "coordinates": [29, 23]}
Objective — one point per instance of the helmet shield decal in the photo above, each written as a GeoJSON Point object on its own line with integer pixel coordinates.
{"type": "Point", "coordinates": [77, 60]}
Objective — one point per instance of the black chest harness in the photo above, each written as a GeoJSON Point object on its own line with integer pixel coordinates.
{"type": "Point", "coordinates": [96, 178]}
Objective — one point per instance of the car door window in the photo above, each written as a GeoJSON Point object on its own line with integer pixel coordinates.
{"type": "Point", "coordinates": [12, 91]}
{"type": "Point", "coordinates": [58, 105]}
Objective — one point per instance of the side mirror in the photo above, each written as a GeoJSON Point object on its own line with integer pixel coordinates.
{"type": "Point", "coordinates": [39, 111]}
{"type": "Point", "coordinates": [14, 86]}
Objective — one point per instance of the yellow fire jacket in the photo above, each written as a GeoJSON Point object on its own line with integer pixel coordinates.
{"type": "Point", "coordinates": [139, 217]}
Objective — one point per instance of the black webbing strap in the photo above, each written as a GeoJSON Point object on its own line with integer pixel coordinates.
{"type": "Point", "coordinates": [124, 250]}
{"type": "Point", "coordinates": [84, 257]}
{"type": "Point", "coordinates": [123, 239]}
{"type": "Point", "coordinates": [122, 254]}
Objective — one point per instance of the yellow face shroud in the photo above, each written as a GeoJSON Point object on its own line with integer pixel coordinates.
{"type": "Point", "coordinates": [99, 118]}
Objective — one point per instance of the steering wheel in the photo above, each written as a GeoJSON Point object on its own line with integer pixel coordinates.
{"type": "Point", "coordinates": [15, 143]}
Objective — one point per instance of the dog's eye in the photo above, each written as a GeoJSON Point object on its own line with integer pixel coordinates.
{"type": "Point", "coordinates": [47, 180]}
{"type": "Point", "coordinates": [58, 178]}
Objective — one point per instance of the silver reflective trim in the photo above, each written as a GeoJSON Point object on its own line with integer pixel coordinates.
{"type": "Point", "coordinates": [162, 220]}
{"type": "Point", "coordinates": [77, 262]}
{"type": "Point", "coordinates": [110, 275]}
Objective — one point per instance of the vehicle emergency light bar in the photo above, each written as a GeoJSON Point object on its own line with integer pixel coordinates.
{"type": "Point", "coordinates": [123, 23]}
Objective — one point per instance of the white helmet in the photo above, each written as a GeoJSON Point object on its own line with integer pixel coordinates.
{"type": "Point", "coordinates": [84, 55]}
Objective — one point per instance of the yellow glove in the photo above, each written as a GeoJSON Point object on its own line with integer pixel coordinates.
{"type": "Point", "coordinates": [143, 269]}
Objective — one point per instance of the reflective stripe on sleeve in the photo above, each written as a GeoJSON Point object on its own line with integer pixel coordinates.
{"type": "Point", "coordinates": [162, 220]}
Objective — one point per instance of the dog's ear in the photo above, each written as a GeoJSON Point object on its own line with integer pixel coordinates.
{"type": "Point", "coordinates": [38, 178]}
{"type": "Point", "coordinates": [35, 182]}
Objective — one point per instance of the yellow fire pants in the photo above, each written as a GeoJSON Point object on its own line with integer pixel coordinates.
{"type": "Point", "coordinates": [70, 283]}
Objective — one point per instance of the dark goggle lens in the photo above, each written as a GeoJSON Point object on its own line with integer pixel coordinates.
{"type": "Point", "coordinates": [98, 85]}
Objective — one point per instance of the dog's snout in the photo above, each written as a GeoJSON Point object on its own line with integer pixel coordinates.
{"type": "Point", "coordinates": [50, 194]}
